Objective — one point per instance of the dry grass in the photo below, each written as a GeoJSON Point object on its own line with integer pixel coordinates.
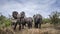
{"type": "Point", "coordinates": [46, 29]}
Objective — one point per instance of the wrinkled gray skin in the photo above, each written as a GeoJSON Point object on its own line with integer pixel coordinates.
{"type": "Point", "coordinates": [25, 20]}
{"type": "Point", "coordinates": [37, 20]}
{"type": "Point", "coordinates": [18, 22]}
{"type": "Point", "coordinates": [29, 21]}
{"type": "Point", "coordinates": [20, 19]}
{"type": "Point", "coordinates": [14, 14]}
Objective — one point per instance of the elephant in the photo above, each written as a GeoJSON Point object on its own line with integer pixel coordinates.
{"type": "Point", "coordinates": [14, 17]}
{"type": "Point", "coordinates": [15, 21]}
{"type": "Point", "coordinates": [37, 20]}
{"type": "Point", "coordinates": [26, 21]}
{"type": "Point", "coordinates": [18, 22]}
{"type": "Point", "coordinates": [22, 14]}
{"type": "Point", "coordinates": [29, 21]}
{"type": "Point", "coordinates": [20, 19]}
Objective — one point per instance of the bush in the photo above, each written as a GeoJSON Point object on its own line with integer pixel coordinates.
{"type": "Point", "coordinates": [46, 20]}
{"type": "Point", "coordinates": [7, 23]}
{"type": "Point", "coordinates": [54, 17]}
{"type": "Point", "coordinates": [4, 21]}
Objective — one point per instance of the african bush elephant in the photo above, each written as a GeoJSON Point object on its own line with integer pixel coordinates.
{"type": "Point", "coordinates": [14, 18]}
{"type": "Point", "coordinates": [19, 18]}
{"type": "Point", "coordinates": [37, 20]}
{"type": "Point", "coordinates": [25, 20]}
{"type": "Point", "coordinates": [29, 21]}
{"type": "Point", "coordinates": [14, 14]}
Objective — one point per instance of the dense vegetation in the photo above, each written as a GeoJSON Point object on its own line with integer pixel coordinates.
{"type": "Point", "coordinates": [55, 17]}
{"type": "Point", "coordinates": [4, 22]}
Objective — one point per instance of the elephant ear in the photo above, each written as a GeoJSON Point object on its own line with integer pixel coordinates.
{"type": "Point", "coordinates": [14, 14]}
{"type": "Point", "coordinates": [35, 16]}
{"type": "Point", "coordinates": [22, 14]}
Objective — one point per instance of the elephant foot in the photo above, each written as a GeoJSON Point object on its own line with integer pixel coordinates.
{"type": "Point", "coordinates": [28, 27]}
{"type": "Point", "coordinates": [39, 26]}
{"type": "Point", "coordinates": [14, 29]}
{"type": "Point", "coordinates": [19, 29]}
{"type": "Point", "coordinates": [36, 26]}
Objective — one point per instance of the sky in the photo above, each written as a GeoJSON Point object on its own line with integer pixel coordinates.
{"type": "Point", "coordinates": [30, 7]}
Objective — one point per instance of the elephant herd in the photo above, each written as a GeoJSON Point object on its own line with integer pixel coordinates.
{"type": "Point", "coordinates": [24, 21]}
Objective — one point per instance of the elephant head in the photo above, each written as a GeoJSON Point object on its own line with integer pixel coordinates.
{"type": "Point", "coordinates": [37, 20]}
{"type": "Point", "coordinates": [14, 14]}
{"type": "Point", "coordinates": [22, 14]}
{"type": "Point", "coordinates": [37, 17]}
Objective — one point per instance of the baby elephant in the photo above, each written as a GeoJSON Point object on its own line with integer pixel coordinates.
{"type": "Point", "coordinates": [29, 21]}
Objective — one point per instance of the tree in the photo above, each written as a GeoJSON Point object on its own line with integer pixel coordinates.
{"type": "Point", "coordinates": [54, 17]}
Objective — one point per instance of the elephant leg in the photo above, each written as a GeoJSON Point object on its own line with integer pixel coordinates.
{"type": "Point", "coordinates": [19, 26]}
{"type": "Point", "coordinates": [39, 25]}
{"type": "Point", "coordinates": [22, 26]}
{"type": "Point", "coordinates": [29, 25]}
{"type": "Point", "coordinates": [15, 25]}
{"type": "Point", "coordinates": [25, 24]}
{"type": "Point", "coordinates": [36, 25]}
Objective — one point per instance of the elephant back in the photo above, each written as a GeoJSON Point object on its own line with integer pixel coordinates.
{"type": "Point", "coordinates": [29, 19]}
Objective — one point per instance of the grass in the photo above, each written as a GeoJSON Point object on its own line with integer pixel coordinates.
{"type": "Point", "coordinates": [46, 29]}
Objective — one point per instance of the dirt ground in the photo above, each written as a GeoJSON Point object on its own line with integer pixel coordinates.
{"type": "Point", "coordinates": [45, 29]}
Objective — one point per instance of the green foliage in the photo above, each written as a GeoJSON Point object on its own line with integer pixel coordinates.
{"type": "Point", "coordinates": [2, 18]}
{"type": "Point", "coordinates": [46, 20]}
{"type": "Point", "coordinates": [54, 17]}
{"type": "Point", "coordinates": [4, 21]}
{"type": "Point", "coordinates": [7, 22]}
